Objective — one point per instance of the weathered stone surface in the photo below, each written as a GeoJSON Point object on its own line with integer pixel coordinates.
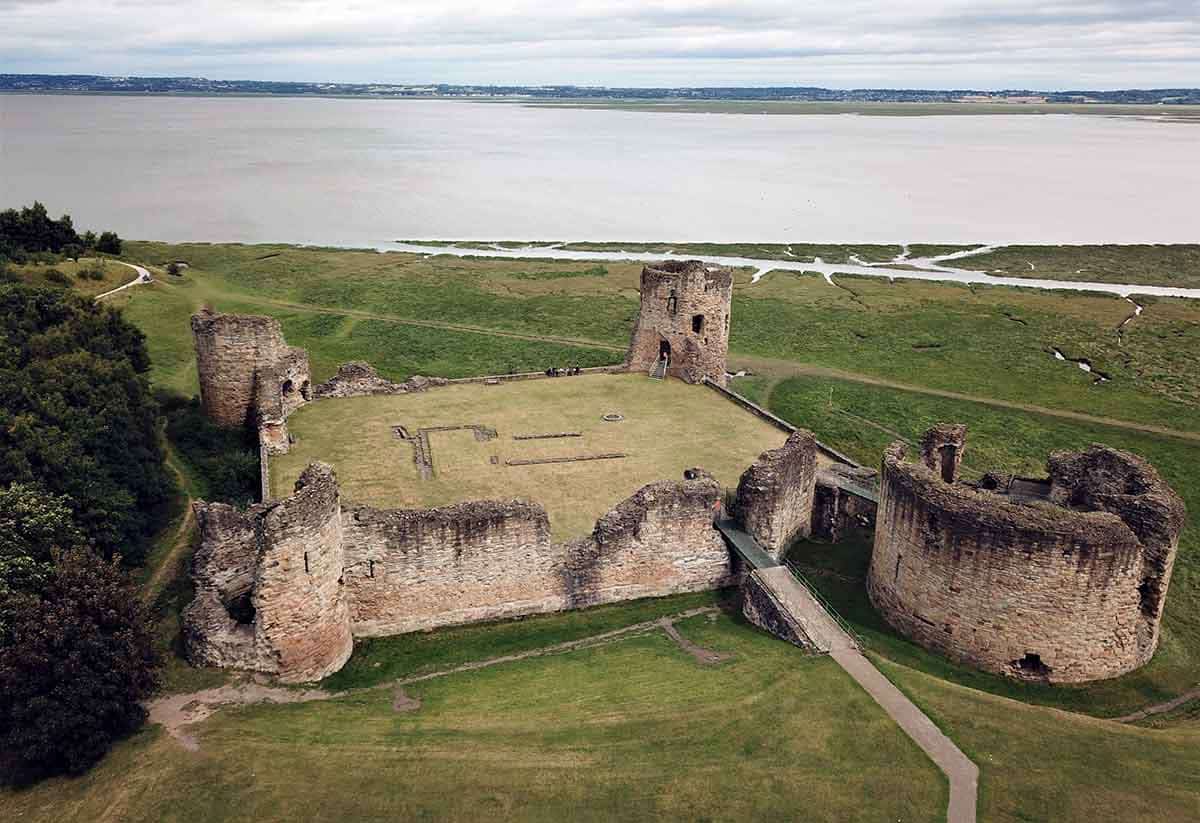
{"type": "Point", "coordinates": [316, 575]}
{"type": "Point", "coordinates": [685, 309]}
{"type": "Point", "coordinates": [942, 449]}
{"type": "Point", "coordinates": [775, 494]}
{"type": "Point", "coordinates": [762, 608]}
{"type": "Point", "coordinates": [247, 371]}
{"type": "Point", "coordinates": [1027, 588]}
{"type": "Point", "coordinates": [839, 504]}
{"type": "Point", "coordinates": [269, 593]}
{"type": "Point", "coordinates": [356, 379]}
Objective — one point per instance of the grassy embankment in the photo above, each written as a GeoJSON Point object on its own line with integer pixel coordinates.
{"type": "Point", "coordinates": [111, 275]}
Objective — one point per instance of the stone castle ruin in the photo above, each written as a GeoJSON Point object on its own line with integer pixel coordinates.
{"type": "Point", "coordinates": [1062, 579]}
{"type": "Point", "coordinates": [682, 327]}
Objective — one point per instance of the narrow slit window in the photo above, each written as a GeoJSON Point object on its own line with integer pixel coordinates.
{"type": "Point", "coordinates": [306, 563]}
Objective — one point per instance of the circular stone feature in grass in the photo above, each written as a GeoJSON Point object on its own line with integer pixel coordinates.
{"type": "Point", "coordinates": [612, 417]}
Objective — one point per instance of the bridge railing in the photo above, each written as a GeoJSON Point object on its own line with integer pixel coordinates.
{"type": "Point", "coordinates": [825, 604]}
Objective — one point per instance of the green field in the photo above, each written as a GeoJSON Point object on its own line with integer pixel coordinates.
{"type": "Point", "coordinates": [668, 426]}
{"type": "Point", "coordinates": [635, 728]}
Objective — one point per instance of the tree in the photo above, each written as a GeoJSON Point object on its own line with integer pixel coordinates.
{"type": "Point", "coordinates": [76, 663]}
{"type": "Point", "coordinates": [33, 525]}
{"type": "Point", "coordinates": [109, 243]}
{"type": "Point", "coordinates": [77, 416]}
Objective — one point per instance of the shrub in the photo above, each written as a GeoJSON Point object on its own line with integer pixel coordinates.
{"type": "Point", "coordinates": [78, 659]}
{"type": "Point", "coordinates": [109, 243]}
{"type": "Point", "coordinates": [56, 277]}
{"type": "Point", "coordinates": [173, 269]}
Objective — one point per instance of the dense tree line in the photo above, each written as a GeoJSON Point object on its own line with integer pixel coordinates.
{"type": "Point", "coordinates": [224, 461]}
{"type": "Point", "coordinates": [77, 416]}
{"type": "Point", "coordinates": [82, 488]}
{"type": "Point", "coordinates": [30, 232]}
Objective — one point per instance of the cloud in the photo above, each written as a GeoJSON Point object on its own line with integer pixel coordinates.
{"type": "Point", "coordinates": [922, 43]}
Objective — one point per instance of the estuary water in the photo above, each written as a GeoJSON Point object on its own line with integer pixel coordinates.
{"type": "Point", "coordinates": [366, 172]}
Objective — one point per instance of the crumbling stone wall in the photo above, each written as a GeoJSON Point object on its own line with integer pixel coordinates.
{"type": "Point", "coordinates": [685, 307]}
{"type": "Point", "coordinates": [269, 584]}
{"type": "Point", "coordinates": [282, 587]}
{"type": "Point", "coordinates": [356, 379]}
{"type": "Point", "coordinates": [482, 560]}
{"type": "Point", "coordinates": [846, 499]}
{"type": "Point", "coordinates": [1023, 587]}
{"type": "Point", "coordinates": [248, 374]}
{"type": "Point", "coordinates": [775, 494]}
{"type": "Point", "coordinates": [942, 449]}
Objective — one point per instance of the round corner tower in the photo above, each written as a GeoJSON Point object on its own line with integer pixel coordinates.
{"type": "Point", "coordinates": [683, 322]}
{"type": "Point", "coordinates": [232, 351]}
{"type": "Point", "coordinates": [1059, 580]}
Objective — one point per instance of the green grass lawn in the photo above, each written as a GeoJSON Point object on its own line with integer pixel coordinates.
{"type": "Point", "coordinates": [633, 730]}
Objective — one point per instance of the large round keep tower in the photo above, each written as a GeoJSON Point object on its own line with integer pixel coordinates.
{"type": "Point", "coordinates": [1060, 580]}
{"type": "Point", "coordinates": [683, 324]}
{"type": "Point", "coordinates": [246, 368]}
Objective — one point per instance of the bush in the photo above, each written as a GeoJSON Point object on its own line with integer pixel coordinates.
{"type": "Point", "coordinates": [173, 269]}
{"type": "Point", "coordinates": [78, 659]}
{"type": "Point", "coordinates": [91, 273]}
{"type": "Point", "coordinates": [56, 277]}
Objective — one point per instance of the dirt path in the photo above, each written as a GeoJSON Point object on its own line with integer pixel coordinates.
{"type": "Point", "coordinates": [790, 368]}
{"type": "Point", "coordinates": [701, 654]}
{"type": "Point", "coordinates": [1160, 708]}
{"type": "Point", "coordinates": [170, 562]}
{"type": "Point", "coordinates": [559, 648]}
{"type": "Point", "coordinates": [176, 712]}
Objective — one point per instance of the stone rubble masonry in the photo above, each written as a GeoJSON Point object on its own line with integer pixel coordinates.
{"type": "Point", "coordinates": [839, 506]}
{"type": "Point", "coordinates": [687, 306]}
{"type": "Point", "coordinates": [942, 449]}
{"type": "Point", "coordinates": [248, 374]}
{"type": "Point", "coordinates": [269, 584]}
{"type": "Point", "coordinates": [761, 607]}
{"type": "Point", "coordinates": [375, 572]}
{"type": "Point", "coordinates": [1065, 591]}
{"type": "Point", "coordinates": [775, 494]}
{"type": "Point", "coordinates": [357, 378]}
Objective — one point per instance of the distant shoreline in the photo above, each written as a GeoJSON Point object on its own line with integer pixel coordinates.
{"type": "Point", "coordinates": [1179, 113]}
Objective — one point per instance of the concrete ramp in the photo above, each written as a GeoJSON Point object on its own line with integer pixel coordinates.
{"type": "Point", "coordinates": [774, 600]}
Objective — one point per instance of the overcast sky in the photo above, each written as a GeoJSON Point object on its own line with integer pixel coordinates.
{"type": "Point", "coordinates": [838, 43]}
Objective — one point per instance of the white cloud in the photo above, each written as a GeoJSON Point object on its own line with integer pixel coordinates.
{"type": "Point", "coordinates": [918, 43]}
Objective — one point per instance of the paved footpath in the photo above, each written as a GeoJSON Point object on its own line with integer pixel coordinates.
{"type": "Point", "coordinates": [143, 276]}
{"type": "Point", "coordinates": [962, 773]}
{"type": "Point", "coordinates": [825, 633]}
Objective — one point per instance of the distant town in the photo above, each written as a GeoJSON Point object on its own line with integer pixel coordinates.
{"type": "Point", "coordinates": [97, 84]}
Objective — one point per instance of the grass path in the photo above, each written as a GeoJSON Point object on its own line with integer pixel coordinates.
{"type": "Point", "coordinates": [1160, 708]}
{"type": "Point", "coordinates": [168, 566]}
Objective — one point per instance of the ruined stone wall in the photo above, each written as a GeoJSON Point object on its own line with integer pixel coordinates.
{"type": "Point", "coordinates": [775, 494]}
{"type": "Point", "coordinates": [269, 591]}
{"type": "Point", "coordinates": [1031, 590]}
{"type": "Point", "coordinates": [358, 379]}
{"type": "Point", "coordinates": [657, 542]}
{"type": "Point", "coordinates": [841, 504]}
{"type": "Point", "coordinates": [411, 570]}
{"type": "Point", "coordinates": [486, 560]}
{"type": "Point", "coordinates": [687, 307]}
{"type": "Point", "coordinates": [248, 374]}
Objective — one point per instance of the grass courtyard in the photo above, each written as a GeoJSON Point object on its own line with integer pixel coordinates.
{"type": "Point", "coordinates": [668, 426]}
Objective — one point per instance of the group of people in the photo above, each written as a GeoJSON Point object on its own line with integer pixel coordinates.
{"type": "Point", "coordinates": [555, 371]}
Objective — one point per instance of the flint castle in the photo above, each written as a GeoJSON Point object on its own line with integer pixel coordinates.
{"type": "Point", "coordinates": [1054, 579]}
